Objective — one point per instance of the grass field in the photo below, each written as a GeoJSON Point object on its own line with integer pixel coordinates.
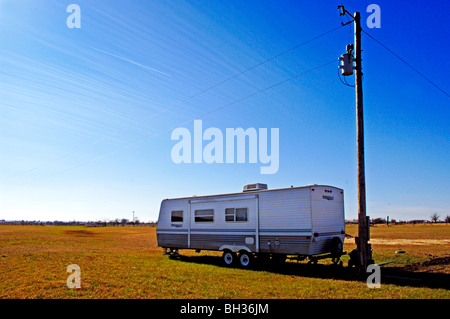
{"type": "Point", "coordinates": [125, 262]}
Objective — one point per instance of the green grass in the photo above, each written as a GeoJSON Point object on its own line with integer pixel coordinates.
{"type": "Point", "coordinates": [125, 262]}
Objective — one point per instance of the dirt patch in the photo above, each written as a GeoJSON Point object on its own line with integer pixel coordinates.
{"type": "Point", "coordinates": [404, 242]}
{"type": "Point", "coordinates": [420, 266]}
{"type": "Point", "coordinates": [81, 233]}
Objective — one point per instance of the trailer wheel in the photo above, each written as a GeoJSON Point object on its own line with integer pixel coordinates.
{"type": "Point", "coordinates": [228, 257]}
{"type": "Point", "coordinates": [245, 259]}
{"type": "Point", "coordinates": [336, 247]}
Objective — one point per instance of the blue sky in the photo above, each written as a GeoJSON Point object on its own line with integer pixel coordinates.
{"type": "Point", "coordinates": [86, 114]}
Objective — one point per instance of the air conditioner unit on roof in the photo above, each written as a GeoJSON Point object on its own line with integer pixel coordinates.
{"type": "Point", "coordinates": [254, 187]}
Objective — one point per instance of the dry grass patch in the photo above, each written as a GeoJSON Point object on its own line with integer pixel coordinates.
{"type": "Point", "coordinates": [125, 262]}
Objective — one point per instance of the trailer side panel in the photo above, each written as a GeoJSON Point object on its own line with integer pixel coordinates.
{"type": "Point", "coordinates": [285, 221]}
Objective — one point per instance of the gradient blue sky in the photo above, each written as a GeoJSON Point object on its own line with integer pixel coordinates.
{"type": "Point", "coordinates": [86, 114]}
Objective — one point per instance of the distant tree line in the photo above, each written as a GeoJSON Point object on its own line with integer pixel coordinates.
{"type": "Point", "coordinates": [100, 223]}
{"type": "Point", "coordinates": [434, 218]}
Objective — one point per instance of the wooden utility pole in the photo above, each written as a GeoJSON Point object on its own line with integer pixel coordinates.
{"type": "Point", "coordinates": [362, 241]}
{"type": "Point", "coordinates": [363, 230]}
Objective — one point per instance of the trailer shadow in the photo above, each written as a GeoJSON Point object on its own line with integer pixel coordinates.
{"type": "Point", "coordinates": [400, 276]}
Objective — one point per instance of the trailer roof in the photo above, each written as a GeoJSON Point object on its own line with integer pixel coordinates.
{"type": "Point", "coordinates": [253, 192]}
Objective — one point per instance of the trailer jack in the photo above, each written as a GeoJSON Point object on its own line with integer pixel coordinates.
{"type": "Point", "coordinates": [335, 259]}
{"type": "Point", "coordinates": [172, 252]}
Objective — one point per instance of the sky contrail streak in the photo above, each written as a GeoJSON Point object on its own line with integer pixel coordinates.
{"type": "Point", "coordinates": [130, 61]}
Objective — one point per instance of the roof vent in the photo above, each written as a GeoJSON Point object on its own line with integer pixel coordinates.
{"type": "Point", "coordinates": [254, 187]}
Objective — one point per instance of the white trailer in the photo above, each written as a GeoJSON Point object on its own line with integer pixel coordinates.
{"type": "Point", "coordinates": [301, 222]}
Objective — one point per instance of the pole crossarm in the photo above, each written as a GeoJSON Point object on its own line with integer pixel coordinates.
{"type": "Point", "coordinates": [343, 12]}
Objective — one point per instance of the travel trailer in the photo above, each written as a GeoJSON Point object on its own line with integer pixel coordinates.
{"type": "Point", "coordinates": [271, 224]}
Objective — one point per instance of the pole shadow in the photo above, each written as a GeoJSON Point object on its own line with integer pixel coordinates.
{"type": "Point", "coordinates": [400, 276]}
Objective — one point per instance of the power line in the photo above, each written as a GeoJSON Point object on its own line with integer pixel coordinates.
{"type": "Point", "coordinates": [344, 81]}
{"type": "Point", "coordinates": [180, 102]}
{"type": "Point", "coordinates": [185, 122]}
{"type": "Point", "coordinates": [271, 87]}
{"type": "Point", "coordinates": [409, 65]}
{"type": "Point", "coordinates": [268, 60]}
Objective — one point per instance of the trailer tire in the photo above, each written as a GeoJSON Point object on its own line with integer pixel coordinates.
{"type": "Point", "coordinates": [228, 257]}
{"type": "Point", "coordinates": [245, 259]}
{"type": "Point", "coordinates": [336, 247]}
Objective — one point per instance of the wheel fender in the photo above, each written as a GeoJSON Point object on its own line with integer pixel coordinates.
{"type": "Point", "coordinates": [234, 248]}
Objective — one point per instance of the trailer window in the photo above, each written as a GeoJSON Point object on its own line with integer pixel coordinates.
{"type": "Point", "coordinates": [241, 214]}
{"type": "Point", "coordinates": [177, 216]}
{"type": "Point", "coordinates": [236, 214]}
{"type": "Point", "coordinates": [204, 215]}
{"type": "Point", "coordinates": [229, 215]}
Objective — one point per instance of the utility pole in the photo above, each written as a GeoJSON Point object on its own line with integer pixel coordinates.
{"type": "Point", "coordinates": [363, 247]}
